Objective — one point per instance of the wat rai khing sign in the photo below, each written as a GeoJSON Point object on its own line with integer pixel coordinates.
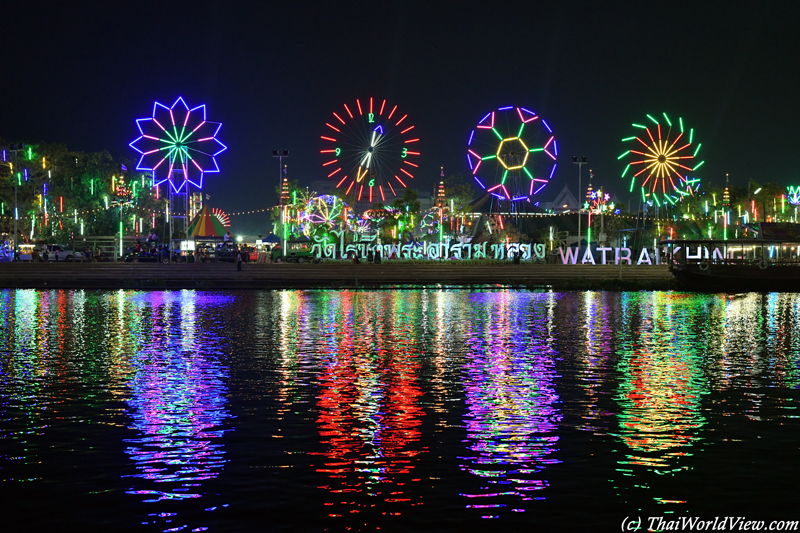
{"type": "Point", "coordinates": [366, 244]}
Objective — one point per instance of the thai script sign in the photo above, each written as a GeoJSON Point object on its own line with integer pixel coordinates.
{"type": "Point", "coordinates": [366, 244]}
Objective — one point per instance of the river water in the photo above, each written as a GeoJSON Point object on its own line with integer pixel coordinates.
{"type": "Point", "coordinates": [418, 410]}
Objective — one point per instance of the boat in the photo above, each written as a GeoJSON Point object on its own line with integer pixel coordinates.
{"type": "Point", "coordinates": [768, 263]}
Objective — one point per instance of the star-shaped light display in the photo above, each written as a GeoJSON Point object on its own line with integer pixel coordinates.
{"type": "Point", "coordinates": [178, 144]}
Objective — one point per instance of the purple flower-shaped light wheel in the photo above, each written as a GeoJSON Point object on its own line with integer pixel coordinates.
{"type": "Point", "coordinates": [177, 144]}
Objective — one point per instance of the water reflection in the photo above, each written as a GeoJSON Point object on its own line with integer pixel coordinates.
{"type": "Point", "coordinates": [369, 403]}
{"type": "Point", "coordinates": [391, 409]}
{"type": "Point", "coordinates": [510, 394]}
{"type": "Point", "coordinates": [177, 400]}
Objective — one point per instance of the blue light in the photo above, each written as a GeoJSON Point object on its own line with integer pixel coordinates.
{"type": "Point", "coordinates": [495, 194]}
{"type": "Point", "coordinates": [469, 143]}
{"type": "Point", "coordinates": [528, 111]}
{"type": "Point", "coordinates": [484, 118]}
{"type": "Point", "coordinates": [4, 155]}
{"type": "Point", "coordinates": [546, 126]}
{"type": "Point", "coordinates": [469, 161]}
{"type": "Point", "coordinates": [479, 183]}
{"type": "Point", "coordinates": [379, 128]}
{"type": "Point", "coordinates": [555, 146]}
{"type": "Point", "coordinates": [504, 108]}
{"type": "Point", "coordinates": [552, 171]}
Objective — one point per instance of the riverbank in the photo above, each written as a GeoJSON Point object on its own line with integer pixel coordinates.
{"type": "Point", "coordinates": [331, 275]}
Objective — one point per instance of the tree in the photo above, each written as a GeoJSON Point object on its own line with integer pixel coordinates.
{"type": "Point", "coordinates": [408, 206]}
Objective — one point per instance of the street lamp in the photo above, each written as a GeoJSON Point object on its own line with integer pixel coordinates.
{"type": "Point", "coordinates": [580, 202]}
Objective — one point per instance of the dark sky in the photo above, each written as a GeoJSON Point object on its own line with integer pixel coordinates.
{"type": "Point", "coordinates": [273, 72]}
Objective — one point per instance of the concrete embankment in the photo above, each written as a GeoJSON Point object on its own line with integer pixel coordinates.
{"type": "Point", "coordinates": [329, 275]}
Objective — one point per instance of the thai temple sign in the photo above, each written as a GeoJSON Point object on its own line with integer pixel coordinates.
{"type": "Point", "coordinates": [365, 244]}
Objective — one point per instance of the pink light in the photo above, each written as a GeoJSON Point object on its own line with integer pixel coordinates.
{"type": "Point", "coordinates": [551, 155]}
{"type": "Point", "coordinates": [348, 110]}
{"type": "Point", "coordinates": [392, 113]}
{"type": "Point", "coordinates": [159, 125]}
{"type": "Point", "coordinates": [640, 172]}
{"type": "Point", "coordinates": [410, 163]}
{"type": "Point", "coordinates": [329, 163]}
{"type": "Point", "coordinates": [334, 172]}
{"type": "Point", "coordinates": [350, 187]}
{"type": "Point", "coordinates": [531, 191]}
{"type": "Point", "coordinates": [151, 152]}
{"type": "Point", "coordinates": [198, 126]}
{"type": "Point", "coordinates": [392, 188]}
{"type": "Point", "coordinates": [381, 113]}
{"type": "Point", "coordinates": [327, 138]}
{"type": "Point", "coordinates": [159, 164]}
{"type": "Point", "coordinates": [206, 139]}
{"type": "Point", "coordinates": [407, 173]}
{"type": "Point", "coordinates": [360, 113]}
{"type": "Point", "coordinates": [650, 134]}
{"type": "Point", "coordinates": [150, 137]}
{"type": "Point", "coordinates": [475, 170]}
{"type": "Point", "coordinates": [401, 181]}
{"type": "Point", "coordinates": [186, 119]}
{"type": "Point", "coordinates": [500, 218]}
{"type": "Point", "coordinates": [340, 118]}
{"type": "Point", "coordinates": [370, 110]}
{"type": "Point", "coordinates": [198, 166]}
{"type": "Point", "coordinates": [327, 151]}
{"type": "Point", "coordinates": [412, 153]}
{"type": "Point", "coordinates": [380, 187]}
{"type": "Point", "coordinates": [508, 196]}
{"type": "Point", "coordinates": [171, 116]}
{"type": "Point", "coordinates": [411, 141]}
{"type": "Point", "coordinates": [493, 188]}
{"type": "Point", "coordinates": [659, 131]}
{"type": "Point", "coordinates": [548, 142]}
{"type": "Point", "coordinates": [334, 128]}
{"type": "Point", "coordinates": [401, 120]}
{"type": "Point", "coordinates": [370, 189]}
{"type": "Point", "coordinates": [407, 129]}
{"type": "Point", "coordinates": [360, 191]}
{"type": "Point", "coordinates": [340, 183]}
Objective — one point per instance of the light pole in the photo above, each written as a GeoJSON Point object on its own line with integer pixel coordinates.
{"type": "Point", "coordinates": [580, 201]}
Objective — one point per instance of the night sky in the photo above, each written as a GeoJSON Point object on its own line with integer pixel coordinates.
{"type": "Point", "coordinates": [272, 73]}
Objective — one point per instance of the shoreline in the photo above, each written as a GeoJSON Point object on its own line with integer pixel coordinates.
{"type": "Point", "coordinates": [387, 275]}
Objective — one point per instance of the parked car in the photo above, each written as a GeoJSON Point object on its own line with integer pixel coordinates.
{"type": "Point", "coordinates": [296, 252]}
{"type": "Point", "coordinates": [57, 252]}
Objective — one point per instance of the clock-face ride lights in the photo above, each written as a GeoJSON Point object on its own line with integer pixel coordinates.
{"type": "Point", "coordinates": [370, 149]}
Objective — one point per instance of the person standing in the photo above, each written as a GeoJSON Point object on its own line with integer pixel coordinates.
{"type": "Point", "coordinates": [239, 259]}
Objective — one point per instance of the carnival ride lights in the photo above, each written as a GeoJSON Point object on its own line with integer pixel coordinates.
{"type": "Point", "coordinates": [793, 196]}
{"type": "Point", "coordinates": [503, 153]}
{"type": "Point", "coordinates": [177, 144]}
{"type": "Point", "coordinates": [661, 160]}
{"type": "Point", "coordinates": [323, 214]}
{"type": "Point", "coordinates": [433, 221]}
{"type": "Point", "coordinates": [222, 216]}
{"type": "Point", "coordinates": [370, 149]}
